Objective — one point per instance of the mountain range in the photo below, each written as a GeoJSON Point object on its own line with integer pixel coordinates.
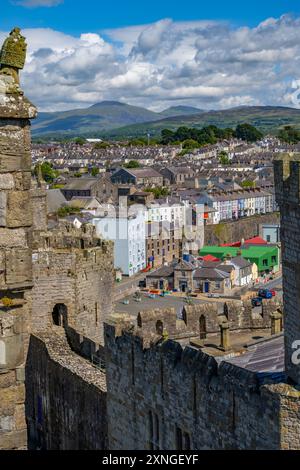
{"type": "Point", "coordinates": [100, 117]}
{"type": "Point", "coordinates": [112, 119]}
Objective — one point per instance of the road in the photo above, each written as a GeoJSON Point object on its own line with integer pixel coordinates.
{"type": "Point", "coordinates": [130, 283]}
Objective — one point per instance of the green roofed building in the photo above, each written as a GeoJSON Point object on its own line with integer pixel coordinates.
{"type": "Point", "coordinates": [265, 257]}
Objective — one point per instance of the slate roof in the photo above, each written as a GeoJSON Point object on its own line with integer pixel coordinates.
{"type": "Point", "coordinates": [84, 202]}
{"type": "Point", "coordinates": [240, 262]}
{"type": "Point", "coordinates": [144, 173]}
{"type": "Point", "coordinates": [55, 200]}
{"type": "Point", "coordinates": [264, 357]}
{"type": "Point", "coordinates": [164, 271]}
{"type": "Point", "coordinates": [210, 273]}
{"type": "Point", "coordinates": [80, 184]}
{"type": "Point", "coordinates": [184, 266]}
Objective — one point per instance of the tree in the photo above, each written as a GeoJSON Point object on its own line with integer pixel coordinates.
{"type": "Point", "coordinates": [167, 136]}
{"type": "Point", "coordinates": [190, 144]}
{"type": "Point", "coordinates": [132, 164]}
{"type": "Point", "coordinates": [158, 192]}
{"type": "Point", "coordinates": [80, 141]}
{"type": "Point", "coordinates": [137, 142]}
{"type": "Point", "coordinates": [48, 173]}
{"type": "Point", "coordinates": [248, 184]}
{"type": "Point", "coordinates": [64, 211]}
{"type": "Point", "coordinates": [101, 145]}
{"type": "Point", "coordinates": [289, 134]}
{"type": "Point", "coordinates": [95, 171]}
{"type": "Point", "coordinates": [248, 132]}
{"type": "Point", "coordinates": [224, 158]}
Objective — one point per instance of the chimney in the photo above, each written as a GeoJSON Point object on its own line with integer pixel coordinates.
{"type": "Point", "coordinates": [225, 340]}
{"type": "Point", "coordinates": [276, 322]}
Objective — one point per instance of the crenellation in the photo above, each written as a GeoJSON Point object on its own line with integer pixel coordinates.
{"type": "Point", "coordinates": [225, 390]}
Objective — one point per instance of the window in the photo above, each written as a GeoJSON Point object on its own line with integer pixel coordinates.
{"type": "Point", "coordinates": [159, 327]}
{"type": "Point", "coordinates": [40, 410]}
{"type": "Point", "coordinates": [274, 259]}
{"type": "Point", "coordinates": [154, 430]}
{"type": "Point", "coordinates": [183, 441]}
{"type": "Point", "coordinates": [268, 238]}
{"type": "Point", "coordinates": [265, 262]}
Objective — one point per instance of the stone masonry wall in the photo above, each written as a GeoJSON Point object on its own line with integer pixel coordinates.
{"type": "Point", "coordinates": [287, 184]}
{"type": "Point", "coordinates": [157, 393]}
{"type": "Point", "coordinates": [65, 397]}
{"type": "Point", "coordinates": [80, 279]}
{"type": "Point", "coordinates": [15, 258]}
{"type": "Point", "coordinates": [230, 232]}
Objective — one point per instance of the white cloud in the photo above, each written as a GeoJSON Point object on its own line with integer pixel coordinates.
{"type": "Point", "coordinates": [205, 64]}
{"type": "Point", "coordinates": [37, 3]}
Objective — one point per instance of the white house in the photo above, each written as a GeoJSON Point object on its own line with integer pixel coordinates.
{"type": "Point", "coordinates": [128, 232]}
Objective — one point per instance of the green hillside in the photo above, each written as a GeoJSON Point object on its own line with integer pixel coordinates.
{"type": "Point", "coordinates": [101, 116]}
{"type": "Point", "coordinates": [268, 119]}
{"type": "Point", "coordinates": [115, 120]}
{"type": "Point", "coordinates": [180, 111]}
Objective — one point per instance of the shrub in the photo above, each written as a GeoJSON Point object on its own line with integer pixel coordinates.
{"type": "Point", "coordinates": [7, 302]}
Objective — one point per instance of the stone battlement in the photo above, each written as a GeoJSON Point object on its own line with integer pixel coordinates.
{"type": "Point", "coordinates": [287, 178]}
{"type": "Point", "coordinates": [154, 324]}
{"type": "Point", "coordinates": [212, 403]}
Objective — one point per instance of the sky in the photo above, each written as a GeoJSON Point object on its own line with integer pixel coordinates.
{"type": "Point", "coordinates": [212, 55]}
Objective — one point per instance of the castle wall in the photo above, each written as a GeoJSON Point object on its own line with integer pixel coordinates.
{"type": "Point", "coordinates": [157, 393]}
{"type": "Point", "coordinates": [287, 184]}
{"type": "Point", "coordinates": [80, 279]}
{"type": "Point", "coordinates": [15, 259]}
{"type": "Point", "coordinates": [65, 399]}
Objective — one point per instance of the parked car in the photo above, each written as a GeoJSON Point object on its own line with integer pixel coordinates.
{"type": "Point", "coordinates": [256, 302]}
{"type": "Point", "coordinates": [213, 296]}
{"type": "Point", "coordinates": [273, 292]}
{"type": "Point", "coordinates": [265, 293]}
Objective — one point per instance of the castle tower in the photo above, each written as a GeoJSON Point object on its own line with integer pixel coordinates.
{"type": "Point", "coordinates": [287, 184]}
{"type": "Point", "coordinates": [15, 246]}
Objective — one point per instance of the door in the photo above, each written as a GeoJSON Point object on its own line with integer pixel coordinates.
{"type": "Point", "coordinates": [206, 287]}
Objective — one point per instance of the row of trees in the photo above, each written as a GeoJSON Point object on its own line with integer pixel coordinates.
{"type": "Point", "coordinates": [192, 138]}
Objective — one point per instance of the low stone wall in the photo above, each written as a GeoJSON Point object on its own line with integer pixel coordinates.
{"type": "Point", "coordinates": [233, 231]}
{"type": "Point", "coordinates": [65, 397]}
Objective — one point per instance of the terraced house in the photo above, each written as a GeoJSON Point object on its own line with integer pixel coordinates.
{"type": "Point", "coordinates": [230, 205]}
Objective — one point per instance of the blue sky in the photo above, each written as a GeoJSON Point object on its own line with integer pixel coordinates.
{"type": "Point", "coordinates": [76, 16]}
{"type": "Point", "coordinates": [210, 54]}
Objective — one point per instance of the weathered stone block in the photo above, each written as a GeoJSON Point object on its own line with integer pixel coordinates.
{"type": "Point", "coordinates": [13, 440]}
{"type": "Point", "coordinates": [22, 180]}
{"type": "Point", "coordinates": [6, 423]}
{"type": "Point", "coordinates": [7, 379]}
{"type": "Point", "coordinates": [6, 181]}
{"type": "Point", "coordinates": [20, 374]}
{"type": "Point", "coordinates": [12, 238]}
{"type": "Point", "coordinates": [18, 209]}
{"type": "Point", "coordinates": [12, 351]}
{"type": "Point", "coordinates": [3, 202]}
{"type": "Point", "coordinates": [19, 417]}
{"type": "Point", "coordinates": [11, 396]}
{"type": "Point", "coordinates": [10, 162]}
{"type": "Point", "coordinates": [18, 266]}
